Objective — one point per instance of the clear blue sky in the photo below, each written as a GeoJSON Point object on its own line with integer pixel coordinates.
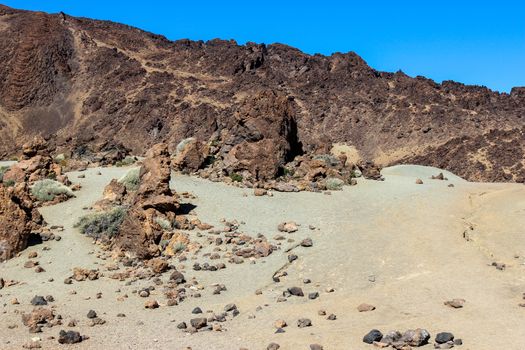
{"type": "Point", "coordinates": [474, 42]}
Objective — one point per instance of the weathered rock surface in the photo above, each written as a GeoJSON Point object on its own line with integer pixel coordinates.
{"type": "Point", "coordinates": [81, 82]}
{"type": "Point", "coordinates": [18, 218]}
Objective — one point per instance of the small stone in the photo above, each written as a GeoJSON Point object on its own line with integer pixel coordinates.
{"type": "Point", "coordinates": [292, 257]}
{"type": "Point", "coordinates": [365, 307]}
{"type": "Point", "coordinates": [313, 295]}
{"type": "Point", "coordinates": [307, 242]}
{"type": "Point", "coordinates": [316, 347]}
{"type": "Point", "coordinates": [38, 300]}
{"type": "Point", "coordinates": [304, 322]}
{"type": "Point", "coordinates": [144, 293]}
{"type": "Point", "coordinates": [182, 325]}
{"type": "Point", "coordinates": [296, 291]}
{"type": "Point", "coordinates": [196, 310]}
{"type": "Point", "coordinates": [417, 337]}
{"type": "Point", "coordinates": [151, 304]}
{"type": "Point", "coordinates": [91, 314]}
{"type": "Point", "coordinates": [69, 337]}
{"type": "Point", "coordinates": [199, 322]}
{"type": "Point", "coordinates": [273, 346]}
{"type": "Point", "coordinates": [280, 324]}
{"type": "Point", "coordinates": [331, 317]}
{"type": "Point", "coordinates": [373, 336]}
{"type": "Point", "coordinates": [455, 303]}
{"type": "Point", "coordinates": [444, 337]}
{"type": "Point", "coordinates": [419, 181]}
{"type": "Point", "coordinates": [230, 307]}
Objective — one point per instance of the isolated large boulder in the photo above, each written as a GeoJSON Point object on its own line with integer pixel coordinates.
{"type": "Point", "coordinates": [18, 218]}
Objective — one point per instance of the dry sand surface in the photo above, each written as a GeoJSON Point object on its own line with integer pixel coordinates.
{"type": "Point", "coordinates": [402, 247]}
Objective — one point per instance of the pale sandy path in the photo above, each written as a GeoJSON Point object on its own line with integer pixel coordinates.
{"type": "Point", "coordinates": [408, 236]}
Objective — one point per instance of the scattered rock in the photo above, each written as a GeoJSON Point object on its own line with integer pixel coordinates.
{"type": "Point", "coordinates": [69, 337]}
{"type": "Point", "coordinates": [455, 303]}
{"type": "Point", "coordinates": [304, 322]}
{"type": "Point", "coordinates": [365, 307]}
{"type": "Point", "coordinates": [444, 337]}
{"type": "Point", "coordinates": [373, 336]}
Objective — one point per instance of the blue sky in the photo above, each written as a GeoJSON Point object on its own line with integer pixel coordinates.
{"type": "Point", "coordinates": [474, 42]}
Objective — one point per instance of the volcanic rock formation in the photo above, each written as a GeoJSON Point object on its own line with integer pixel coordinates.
{"type": "Point", "coordinates": [86, 85]}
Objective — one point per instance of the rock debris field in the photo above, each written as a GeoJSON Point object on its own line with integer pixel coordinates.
{"type": "Point", "coordinates": [408, 262]}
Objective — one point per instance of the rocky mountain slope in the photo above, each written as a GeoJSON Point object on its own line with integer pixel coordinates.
{"type": "Point", "coordinates": [96, 85]}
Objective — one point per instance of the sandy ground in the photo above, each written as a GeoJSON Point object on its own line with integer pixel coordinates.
{"type": "Point", "coordinates": [402, 247]}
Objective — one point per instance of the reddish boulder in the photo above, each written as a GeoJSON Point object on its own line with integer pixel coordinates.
{"type": "Point", "coordinates": [18, 218]}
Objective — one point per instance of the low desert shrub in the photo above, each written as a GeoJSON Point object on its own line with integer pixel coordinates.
{"type": "Point", "coordinates": [3, 169]}
{"type": "Point", "coordinates": [102, 224]}
{"type": "Point", "coordinates": [180, 147]}
{"type": "Point", "coordinates": [128, 160]}
{"type": "Point", "coordinates": [164, 223]}
{"type": "Point", "coordinates": [131, 179]}
{"type": "Point", "coordinates": [236, 177]}
{"type": "Point", "coordinates": [9, 183]}
{"type": "Point", "coordinates": [47, 189]}
{"type": "Point", "coordinates": [334, 184]}
{"type": "Point", "coordinates": [179, 247]}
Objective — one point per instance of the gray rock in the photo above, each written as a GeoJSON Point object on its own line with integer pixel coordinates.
{"type": "Point", "coordinates": [304, 322]}
{"type": "Point", "coordinates": [372, 336]}
{"type": "Point", "coordinates": [69, 337]}
{"type": "Point", "coordinates": [444, 337]}
{"type": "Point", "coordinates": [298, 292]}
{"type": "Point", "coordinates": [91, 314]}
{"type": "Point", "coordinates": [38, 300]}
{"type": "Point", "coordinates": [199, 322]}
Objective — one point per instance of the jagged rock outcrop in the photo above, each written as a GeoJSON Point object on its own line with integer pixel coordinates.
{"type": "Point", "coordinates": [87, 85]}
{"type": "Point", "coordinates": [141, 232]}
{"type": "Point", "coordinates": [18, 218]}
{"type": "Point", "coordinates": [36, 164]}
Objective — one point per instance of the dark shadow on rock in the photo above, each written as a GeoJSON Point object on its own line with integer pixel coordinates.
{"type": "Point", "coordinates": [185, 208]}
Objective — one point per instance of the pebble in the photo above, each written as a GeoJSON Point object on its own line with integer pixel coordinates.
{"type": "Point", "coordinates": [69, 337]}
{"type": "Point", "coordinates": [38, 300]}
{"type": "Point", "coordinates": [273, 346]}
{"type": "Point", "coordinates": [373, 336]}
{"type": "Point", "coordinates": [365, 307]}
{"type": "Point", "coordinates": [91, 314]}
{"type": "Point", "coordinates": [296, 291]}
{"type": "Point", "coordinates": [304, 322]}
{"type": "Point", "coordinates": [444, 337]}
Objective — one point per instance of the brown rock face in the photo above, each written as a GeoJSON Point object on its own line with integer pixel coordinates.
{"type": "Point", "coordinates": [18, 219]}
{"type": "Point", "coordinates": [262, 136]}
{"type": "Point", "coordinates": [93, 84]}
{"type": "Point", "coordinates": [140, 232]}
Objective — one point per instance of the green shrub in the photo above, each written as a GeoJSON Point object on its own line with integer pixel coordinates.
{"type": "Point", "coordinates": [334, 184]}
{"type": "Point", "coordinates": [236, 177]}
{"type": "Point", "coordinates": [179, 247]}
{"type": "Point", "coordinates": [3, 169]}
{"type": "Point", "coordinates": [180, 147]}
{"type": "Point", "coordinates": [59, 158]}
{"type": "Point", "coordinates": [131, 179]}
{"type": "Point", "coordinates": [47, 190]}
{"type": "Point", "coordinates": [102, 224]}
{"type": "Point", "coordinates": [164, 223]}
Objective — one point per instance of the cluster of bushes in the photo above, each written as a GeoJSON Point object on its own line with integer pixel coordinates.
{"type": "Point", "coordinates": [47, 189]}
{"type": "Point", "coordinates": [129, 160]}
{"type": "Point", "coordinates": [102, 224]}
{"type": "Point", "coordinates": [131, 180]}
